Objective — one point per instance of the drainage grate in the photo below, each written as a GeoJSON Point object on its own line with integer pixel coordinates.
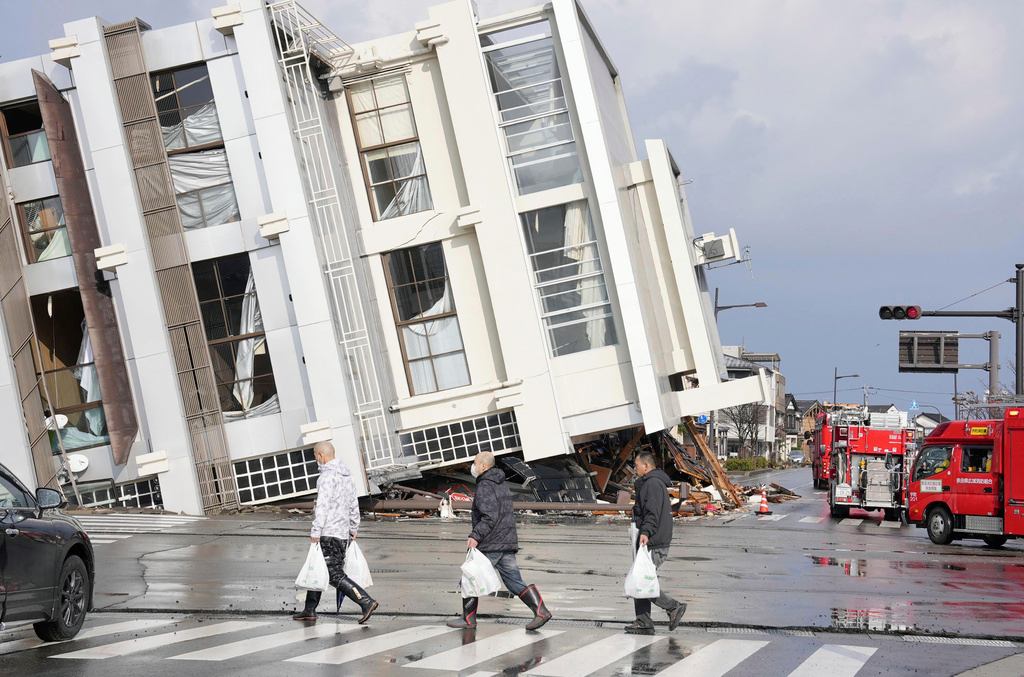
{"type": "Point", "coordinates": [739, 631]}
{"type": "Point", "coordinates": [957, 640]}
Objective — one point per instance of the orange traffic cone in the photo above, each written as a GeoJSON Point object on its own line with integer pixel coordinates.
{"type": "Point", "coordinates": [763, 510]}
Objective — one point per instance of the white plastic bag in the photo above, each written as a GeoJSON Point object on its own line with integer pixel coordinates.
{"type": "Point", "coordinates": [356, 567]}
{"type": "Point", "coordinates": [478, 575]}
{"type": "Point", "coordinates": [642, 579]}
{"type": "Point", "coordinates": [313, 575]}
{"type": "Point", "coordinates": [634, 535]}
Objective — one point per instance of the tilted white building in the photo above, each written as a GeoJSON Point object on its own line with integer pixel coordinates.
{"type": "Point", "coordinates": [228, 239]}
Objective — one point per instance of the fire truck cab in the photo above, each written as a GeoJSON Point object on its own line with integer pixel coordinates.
{"type": "Point", "coordinates": [968, 480]}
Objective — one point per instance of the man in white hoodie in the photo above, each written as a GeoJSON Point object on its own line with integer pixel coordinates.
{"type": "Point", "coordinates": [335, 521]}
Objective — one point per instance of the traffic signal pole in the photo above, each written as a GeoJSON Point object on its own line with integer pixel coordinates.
{"type": "Point", "coordinates": [1019, 365]}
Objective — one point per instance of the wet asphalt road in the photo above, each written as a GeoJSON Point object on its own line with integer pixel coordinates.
{"type": "Point", "coordinates": [798, 570]}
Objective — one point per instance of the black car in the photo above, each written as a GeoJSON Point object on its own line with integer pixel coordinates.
{"type": "Point", "coordinates": [46, 561]}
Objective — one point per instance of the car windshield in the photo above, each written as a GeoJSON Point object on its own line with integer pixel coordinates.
{"type": "Point", "coordinates": [932, 460]}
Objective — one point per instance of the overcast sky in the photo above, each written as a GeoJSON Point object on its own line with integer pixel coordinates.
{"type": "Point", "coordinates": [867, 152]}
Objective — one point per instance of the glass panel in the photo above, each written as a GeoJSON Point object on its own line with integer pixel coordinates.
{"type": "Point", "coordinates": [223, 358]}
{"type": "Point", "coordinates": [422, 377]}
{"type": "Point", "coordinates": [451, 371]}
{"type": "Point", "coordinates": [51, 244]}
{"type": "Point", "coordinates": [585, 335]}
{"type": "Point", "coordinates": [234, 274]}
{"type": "Point", "coordinates": [408, 302]}
{"type": "Point", "coordinates": [406, 160]}
{"type": "Point", "coordinates": [443, 336]}
{"type": "Point", "coordinates": [193, 86]}
{"type": "Point", "coordinates": [540, 132]}
{"type": "Point", "coordinates": [428, 261]}
{"type": "Point", "coordinates": [401, 269]}
{"type": "Point", "coordinates": [572, 294]}
{"type": "Point", "coordinates": [415, 341]}
{"type": "Point", "coordinates": [589, 264]}
{"type": "Point", "coordinates": [368, 127]}
{"type": "Point", "coordinates": [932, 461]}
{"type": "Point", "coordinates": [391, 91]}
{"type": "Point", "coordinates": [378, 166]}
{"type": "Point", "coordinates": [213, 320]}
{"type": "Point", "coordinates": [206, 280]}
{"type": "Point", "coordinates": [397, 123]}
{"type": "Point", "coordinates": [384, 196]}
{"type": "Point", "coordinates": [24, 117]}
{"type": "Point", "coordinates": [541, 28]}
{"type": "Point", "coordinates": [79, 430]}
{"type": "Point", "coordinates": [234, 309]}
{"type": "Point", "coordinates": [43, 214]}
{"type": "Point", "coordinates": [548, 168]}
{"type": "Point", "coordinates": [29, 148]}
{"type": "Point", "coordinates": [435, 297]}
{"type": "Point", "coordinates": [519, 65]}
{"type": "Point", "coordinates": [362, 97]}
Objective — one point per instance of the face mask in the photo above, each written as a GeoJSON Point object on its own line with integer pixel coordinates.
{"type": "Point", "coordinates": [473, 471]}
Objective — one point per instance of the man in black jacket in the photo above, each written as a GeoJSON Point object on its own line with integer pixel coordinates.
{"type": "Point", "coordinates": [494, 535]}
{"type": "Point", "coordinates": [652, 514]}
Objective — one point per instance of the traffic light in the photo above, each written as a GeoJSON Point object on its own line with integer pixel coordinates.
{"type": "Point", "coordinates": [900, 312]}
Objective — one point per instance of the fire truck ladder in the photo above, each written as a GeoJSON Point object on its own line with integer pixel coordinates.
{"type": "Point", "coordinates": [302, 40]}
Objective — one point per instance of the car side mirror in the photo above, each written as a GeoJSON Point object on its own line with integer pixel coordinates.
{"type": "Point", "coordinates": [48, 499]}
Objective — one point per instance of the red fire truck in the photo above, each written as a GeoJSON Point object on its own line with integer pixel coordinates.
{"type": "Point", "coordinates": [821, 450]}
{"type": "Point", "coordinates": [864, 459]}
{"type": "Point", "coordinates": [968, 480]}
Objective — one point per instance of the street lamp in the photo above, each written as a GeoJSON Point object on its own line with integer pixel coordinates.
{"type": "Point", "coordinates": [835, 380]}
{"type": "Point", "coordinates": [758, 304]}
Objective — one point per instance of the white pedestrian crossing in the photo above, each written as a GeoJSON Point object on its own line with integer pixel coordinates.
{"type": "Point", "coordinates": [107, 529]}
{"type": "Point", "coordinates": [772, 518]}
{"type": "Point", "coordinates": [891, 525]}
{"type": "Point", "coordinates": [715, 659]}
{"type": "Point", "coordinates": [139, 644]}
{"type": "Point", "coordinates": [851, 522]}
{"type": "Point", "coordinates": [592, 657]}
{"type": "Point", "coordinates": [367, 647]}
{"type": "Point", "coordinates": [245, 647]}
{"type": "Point", "coordinates": [100, 631]}
{"type": "Point", "coordinates": [835, 660]}
{"type": "Point", "coordinates": [812, 520]}
{"type": "Point", "coordinates": [463, 657]}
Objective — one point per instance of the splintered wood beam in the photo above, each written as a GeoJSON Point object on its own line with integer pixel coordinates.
{"type": "Point", "coordinates": [721, 481]}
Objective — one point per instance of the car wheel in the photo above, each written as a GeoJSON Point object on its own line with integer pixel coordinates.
{"type": "Point", "coordinates": [72, 603]}
{"type": "Point", "coordinates": [940, 526]}
{"type": "Point", "coordinates": [994, 541]}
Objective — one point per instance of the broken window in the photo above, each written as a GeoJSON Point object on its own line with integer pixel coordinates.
{"type": "Point", "coordinates": [234, 331]}
{"type": "Point", "coordinates": [532, 108]}
{"type": "Point", "coordinates": [43, 228]}
{"type": "Point", "coordinates": [392, 159]}
{"type": "Point", "coordinates": [202, 184]}
{"type": "Point", "coordinates": [428, 325]}
{"type": "Point", "coordinates": [23, 135]}
{"type": "Point", "coordinates": [569, 278]}
{"type": "Point", "coordinates": [185, 106]}
{"type": "Point", "coordinates": [74, 409]}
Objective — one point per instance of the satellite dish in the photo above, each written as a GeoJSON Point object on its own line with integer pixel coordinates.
{"type": "Point", "coordinates": [58, 422]}
{"type": "Point", "coordinates": [77, 463]}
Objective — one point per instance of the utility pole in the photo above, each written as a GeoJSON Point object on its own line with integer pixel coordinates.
{"type": "Point", "coordinates": [993, 365]}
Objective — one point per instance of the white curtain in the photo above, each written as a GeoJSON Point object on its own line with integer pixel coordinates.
{"type": "Point", "coordinates": [206, 176]}
{"type": "Point", "coordinates": [60, 245]}
{"type": "Point", "coordinates": [414, 194]}
{"type": "Point", "coordinates": [198, 128]}
{"type": "Point", "coordinates": [90, 384]}
{"type": "Point", "coordinates": [432, 338]}
{"type": "Point", "coordinates": [579, 230]}
{"type": "Point", "coordinates": [245, 358]}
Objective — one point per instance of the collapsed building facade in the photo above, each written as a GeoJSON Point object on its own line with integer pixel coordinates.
{"type": "Point", "coordinates": [226, 240]}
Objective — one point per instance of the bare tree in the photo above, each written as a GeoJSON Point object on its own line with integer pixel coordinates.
{"type": "Point", "coordinates": [746, 420]}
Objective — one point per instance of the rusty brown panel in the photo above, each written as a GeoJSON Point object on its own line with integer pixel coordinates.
{"type": "Point", "coordinates": [42, 462]}
{"type": "Point", "coordinates": [154, 183]}
{"type": "Point", "coordinates": [207, 390]}
{"type": "Point", "coordinates": [17, 317]}
{"type": "Point", "coordinates": [189, 392]}
{"type": "Point", "coordinates": [178, 295]}
{"type": "Point", "coordinates": [135, 98]}
{"type": "Point", "coordinates": [35, 417]}
{"type": "Point", "coordinates": [100, 316]}
{"type": "Point", "coordinates": [125, 56]}
{"type": "Point", "coordinates": [25, 368]}
{"type": "Point", "coordinates": [10, 260]}
{"type": "Point", "coordinates": [145, 143]}
{"type": "Point", "coordinates": [196, 336]}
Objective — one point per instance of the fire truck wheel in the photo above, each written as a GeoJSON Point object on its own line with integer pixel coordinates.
{"type": "Point", "coordinates": [892, 514]}
{"type": "Point", "coordinates": [838, 511]}
{"type": "Point", "coordinates": [940, 526]}
{"type": "Point", "coordinates": [994, 541]}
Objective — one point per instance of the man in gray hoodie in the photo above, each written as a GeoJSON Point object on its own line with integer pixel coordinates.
{"type": "Point", "coordinates": [335, 521]}
{"type": "Point", "coordinates": [652, 515]}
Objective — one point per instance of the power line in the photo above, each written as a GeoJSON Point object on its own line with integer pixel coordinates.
{"type": "Point", "coordinates": [977, 293]}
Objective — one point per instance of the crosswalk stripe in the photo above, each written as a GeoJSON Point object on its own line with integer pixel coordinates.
{"type": "Point", "coordinates": [851, 522]}
{"type": "Point", "coordinates": [715, 659]}
{"type": "Point", "coordinates": [812, 520]}
{"type": "Point", "coordinates": [100, 541]}
{"type": "Point", "coordinates": [111, 629]}
{"type": "Point", "coordinates": [254, 644]}
{"type": "Point", "coordinates": [130, 646]}
{"type": "Point", "coordinates": [482, 650]}
{"type": "Point", "coordinates": [367, 647]}
{"type": "Point", "coordinates": [891, 525]}
{"type": "Point", "coordinates": [836, 660]}
{"type": "Point", "coordinates": [593, 657]}
{"type": "Point", "coordinates": [772, 518]}
{"type": "Point", "coordinates": [93, 536]}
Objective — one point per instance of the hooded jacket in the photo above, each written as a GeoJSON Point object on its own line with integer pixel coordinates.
{"type": "Point", "coordinates": [336, 514]}
{"type": "Point", "coordinates": [494, 524]}
{"type": "Point", "coordinates": [652, 512]}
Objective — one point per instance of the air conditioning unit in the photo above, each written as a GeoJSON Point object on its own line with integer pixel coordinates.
{"type": "Point", "coordinates": [713, 248]}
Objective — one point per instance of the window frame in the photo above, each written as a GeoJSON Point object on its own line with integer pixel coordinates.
{"type": "Point", "coordinates": [8, 150]}
{"type": "Point", "coordinates": [231, 339]}
{"type": "Point", "coordinates": [172, 72]}
{"type": "Point", "coordinates": [363, 150]}
{"type": "Point", "coordinates": [965, 449]}
{"type": "Point", "coordinates": [917, 476]}
{"type": "Point", "coordinates": [400, 324]}
{"type": "Point", "coordinates": [26, 234]}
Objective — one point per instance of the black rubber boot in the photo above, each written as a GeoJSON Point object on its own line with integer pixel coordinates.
{"type": "Point", "coordinates": [359, 596]}
{"type": "Point", "coordinates": [468, 618]}
{"type": "Point", "coordinates": [308, 613]}
{"type": "Point", "coordinates": [531, 598]}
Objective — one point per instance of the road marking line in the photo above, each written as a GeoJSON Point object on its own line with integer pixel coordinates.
{"type": "Point", "coordinates": [835, 660]}
{"type": "Point", "coordinates": [100, 541]}
{"type": "Point", "coordinates": [254, 644]}
{"type": "Point", "coordinates": [367, 647]}
{"type": "Point", "coordinates": [891, 525]}
{"type": "Point", "coordinates": [110, 629]}
{"type": "Point", "coordinates": [130, 646]}
{"type": "Point", "coordinates": [469, 655]}
{"type": "Point", "coordinates": [715, 659]}
{"type": "Point", "coordinates": [593, 657]}
{"type": "Point", "coordinates": [771, 518]}
{"type": "Point", "coordinates": [114, 536]}
{"type": "Point", "coordinates": [812, 520]}
{"type": "Point", "coordinates": [851, 521]}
